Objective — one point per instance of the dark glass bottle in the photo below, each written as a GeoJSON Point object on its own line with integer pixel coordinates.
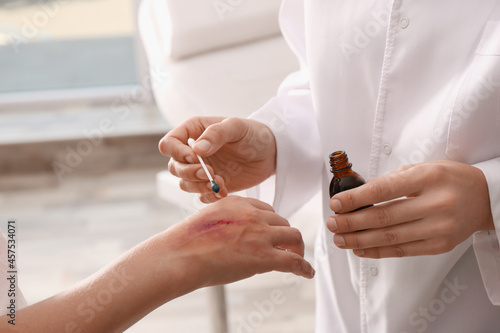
{"type": "Point", "coordinates": [344, 178]}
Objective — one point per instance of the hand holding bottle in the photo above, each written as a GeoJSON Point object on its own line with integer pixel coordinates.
{"type": "Point", "coordinates": [241, 153]}
{"type": "Point", "coordinates": [438, 206]}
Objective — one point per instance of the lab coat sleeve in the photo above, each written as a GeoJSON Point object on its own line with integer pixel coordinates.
{"type": "Point", "coordinates": [486, 243]}
{"type": "Point", "coordinates": [290, 116]}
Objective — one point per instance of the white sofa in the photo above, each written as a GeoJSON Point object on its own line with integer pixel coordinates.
{"type": "Point", "coordinates": [219, 60]}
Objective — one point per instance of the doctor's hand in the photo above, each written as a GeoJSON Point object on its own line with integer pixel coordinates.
{"type": "Point", "coordinates": [240, 152]}
{"type": "Point", "coordinates": [438, 206]}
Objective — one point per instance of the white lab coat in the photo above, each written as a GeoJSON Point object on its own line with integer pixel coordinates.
{"type": "Point", "coordinates": [393, 83]}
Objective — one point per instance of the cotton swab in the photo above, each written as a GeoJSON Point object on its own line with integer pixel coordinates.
{"type": "Point", "coordinates": [215, 187]}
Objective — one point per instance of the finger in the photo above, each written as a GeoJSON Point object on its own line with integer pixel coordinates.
{"type": "Point", "coordinates": [189, 172]}
{"type": "Point", "coordinates": [287, 238]}
{"type": "Point", "coordinates": [177, 149]}
{"type": "Point", "coordinates": [201, 187]}
{"type": "Point", "coordinates": [186, 171]}
{"type": "Point", "coordinates": [380, 216]}
{"type": "Point", "coordinates": [204, 186]}
{"type": "Point", "coordinates": [411, 249]}
{"type": "Point", "coordinates": [274, 220]}
{"type": "Point", "coordinates": [289, 262]}
{"type": "Point", "coordinates": [174, 143]}
{"type": "Point", "coordinates": [210, 196]}
{"type": "Point", "coordinates": [394, 235]}
{"type": "Point", "coordinates": [262, 206]}
{"type": "Point", "coordinates": [216, 135]}
{"type": "Point", "coordinates": [397, 184]}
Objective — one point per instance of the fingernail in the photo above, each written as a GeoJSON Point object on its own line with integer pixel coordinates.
{"type": "Point", "coordinates": [189, 159]}
{"type": "Point", "coordinates": [201, 174]}
{"type": "Point", "coordinates": [218, 196]}
{"type": "Point", "coordinates": [339, 240]}
{"type": "Point", "coordinates": [335, 205]}
{"type": "Point", "coordinates": [331, 223]}
{"type": "Point", "coordinates": [359, 252]}
{"type": "Point", "coordinates": [203, 145]}
{"type": "Point", "coordinates": [306, 267]}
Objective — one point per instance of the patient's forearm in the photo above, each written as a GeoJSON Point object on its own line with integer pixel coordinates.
{"type": "Point", "coordinates": [227, 241]}
{"type": "Point", "coordinates": [112, 299]}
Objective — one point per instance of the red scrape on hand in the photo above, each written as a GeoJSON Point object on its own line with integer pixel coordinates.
{"type": "Point", "coordinates": [214, 224]}
{"type": "Point", "coordinates": [223, 222]}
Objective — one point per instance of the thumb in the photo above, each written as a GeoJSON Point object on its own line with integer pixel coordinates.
{"type": "Point", "coordinates": [230, 130]}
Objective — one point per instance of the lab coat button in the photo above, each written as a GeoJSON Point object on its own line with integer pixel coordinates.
{"type": "Point", "coordinates": [387, 149]}
{"type": "Point", "coordinates": [404, 22]}
{"type": "Point", "coordinates": [374, 271]}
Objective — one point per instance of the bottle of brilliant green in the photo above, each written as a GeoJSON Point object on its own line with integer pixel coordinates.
{"type": "Point", "coordinates": [344, 178]}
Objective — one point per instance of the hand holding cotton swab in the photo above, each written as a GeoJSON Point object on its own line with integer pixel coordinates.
{"type": "Point", "coordinates": [215, 187]}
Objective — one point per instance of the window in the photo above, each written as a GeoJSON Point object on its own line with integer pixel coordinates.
{"type": "Point", "coordinates": [61, 50]}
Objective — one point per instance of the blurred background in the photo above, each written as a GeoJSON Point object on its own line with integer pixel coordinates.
{"type": "Point", "coordinates": [87, 89]}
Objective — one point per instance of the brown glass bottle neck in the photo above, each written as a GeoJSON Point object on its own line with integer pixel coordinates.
{"type": "Point", "coordinates": [339, 162]}
{"type": "Point", "coordinates": [343, 173]}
